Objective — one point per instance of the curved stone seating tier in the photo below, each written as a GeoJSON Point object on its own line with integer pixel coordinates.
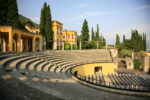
{"type": "Point", "coordinates": [47, 74]}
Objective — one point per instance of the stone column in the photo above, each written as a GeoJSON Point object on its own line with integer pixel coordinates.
{"type": "Point", "coordinates": [80, 45]}
{"type": "Point", "coordinates": [19, 44]}
{"type": "Point", "coordinates": [106, 46]}
{"type": "Point", "coordinates": [40, 45]}
{"type": "Point", "coordinates": [63, 44]}
{"type": "Point", "coordinates": [97, 45]}
{"type": "Point", "coordinates": [33, 44]}
{"type": "Point", "coordinates": [10, 39]}
{"type": "Point", "coordinates": [71, 46]}
{"type": "Point", "coordinates": [26, 45]}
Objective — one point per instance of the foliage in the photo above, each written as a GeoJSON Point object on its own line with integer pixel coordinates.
{"type": "Point", "coordinates": [124, 38]}
{"type": "Point", "coordinates": [137, 64]}
{"type": "Point", "coordinates": [127, 44]}
{"type": "Point", "coordinates": [125, 53]}
{"type": "Point", "coordinates": [9, 14]}
{"type": "Point", "coordinates": [67, 46]}
{"type": "Point", "coordinates": [45, 25]}
{"type": "Point", "coordinates": [138, 40]}
{"type": "Point", "coordinates": [85, 31]}
{"type": "Point", "coordinates": [97, 37]}
{"type": "Point", "coordinates": [75, 47]}
{"type": "Point", "coordinates": [93, 35]}
{"type": "Point", "coordinates": [117, 41]}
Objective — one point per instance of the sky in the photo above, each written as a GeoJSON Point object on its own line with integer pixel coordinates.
{"type": "Point", "coordinates": [113, 16]}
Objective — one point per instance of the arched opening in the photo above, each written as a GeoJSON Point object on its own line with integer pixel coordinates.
{"type": "Point", "coordinates": [37, 44]}
{"type": "Point", "coordinates": [122, 64]}
{"type": "Point", "coordinates": [15, 42]}
{"type": "Point", "coordinates": [4, 42]}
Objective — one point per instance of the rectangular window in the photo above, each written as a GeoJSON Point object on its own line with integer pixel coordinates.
{"type": "Point", "coordinates": [97, 69]}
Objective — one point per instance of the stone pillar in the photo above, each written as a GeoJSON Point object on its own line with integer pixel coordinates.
{"type": "Point", "coordinates": [71, 46]}
{"type": "Point", "coordinates": [26, 45]}
{"type": "Point", "coordinates": [33, 44]}
{"type": "Point", "coordinates": [80, 45]}
{"type": "Point", "coordinates": [19, 46]}
{"type": "Point", "coordinates": [97, 45]}
{"type": "Point", "coordinates": [63, 44]}
{"type": "Point", "coordinates": [106, 46]}
{"type": "Point", "coordinates": [132, 55]}
{"type": "Point", "coordinates": [10, 39]}
{"type": "Point", "coordinates": [40, 45]}
{"type": "Point", "coordinates": [146, 63]}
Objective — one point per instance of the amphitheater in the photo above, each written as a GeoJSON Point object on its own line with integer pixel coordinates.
{"type": "Point", "coordinates": [51, 75]}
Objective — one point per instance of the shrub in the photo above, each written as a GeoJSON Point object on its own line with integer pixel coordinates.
{"type": "Point", "coordinates": [125, 52]}
{"type": "Point", "coordinates": [67, 46]}
{"type": "Point", "coordinates": [75, 47]}
{"type": "Point", "coordinates": [137, 64]}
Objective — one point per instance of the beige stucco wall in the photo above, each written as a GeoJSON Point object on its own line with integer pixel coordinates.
{"type": "Point", "coordinates": [88, 69]}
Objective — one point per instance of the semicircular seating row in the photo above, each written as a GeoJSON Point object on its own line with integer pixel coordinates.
{"type": "Point", "coordinates": [47, 66]}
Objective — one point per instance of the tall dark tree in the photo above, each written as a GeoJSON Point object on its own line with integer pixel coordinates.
{"type": "Point", "coordinates": [12, 14]}
{"type": "Point", "coordinates": [46, 26]}
{"type": "Point", "coordinates": [85, 31]}
{"type": "Point", "coordinates": [124, 38]}
{"type": "Point", "coordinates": [42, 23]}
{"type": "Point", "coordinates": [3, 11]}
{"type": "Point", "coordinates": [93, 34]}
{"type": "Point", "coordinates": [97, 37]}
{"type": "Point", "coordinates": [48, 29]}
{"type": "Point", "coordinates": [117, 40]}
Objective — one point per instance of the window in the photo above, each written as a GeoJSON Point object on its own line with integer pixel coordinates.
{"type": "Point", "coordinates": [98, 69]}
{"type": "Point", "coordinates": [76, 73]}
{"type": "Point", "coordinates": [72, 36]}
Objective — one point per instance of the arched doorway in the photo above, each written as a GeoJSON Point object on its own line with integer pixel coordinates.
{"type": "Point", "coordinates": [4, 42]}
{"type": "Point", "coordinates": [122, 64]}
{"type": "Point", "coordinates": [37, 44]}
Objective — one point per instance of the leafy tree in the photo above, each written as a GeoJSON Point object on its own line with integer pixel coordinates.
{"type": "Point", "coordinates": [128, 45]}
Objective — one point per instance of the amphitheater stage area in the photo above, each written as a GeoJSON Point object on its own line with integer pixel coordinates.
{"type": "Point", "coordinates": [48, 76]}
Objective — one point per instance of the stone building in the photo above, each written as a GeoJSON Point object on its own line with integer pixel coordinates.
{"type": "Point", "coordinates": [57, 29]}
{"type": "Point", "coordinates": [70, 36]}
{"type": "Point", "coordinates": [16, 40]}
{"type": "Point", "coordinates": [145, 59]}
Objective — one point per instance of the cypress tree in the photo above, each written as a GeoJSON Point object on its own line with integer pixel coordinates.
{"type": "Point", "coordinates": [46, 25]}
{"type": "Point", "coordinates": [93, 34]}
{"type": "Point", "coordinates": [85, 31]}
{"type": "Point", "coordinates": [12, 14]}
{"type": "Point", "coordinates": [124, 38]}
{"type": "Point", "coordinates": [42, 23]}
{"type": "Point", "coordinates": [3, 11]}
{"type": "Point", "coordinates": [48, 29]}
{"type": "Point", "coordinates": [145, 44]}
{"type": "Point", "coordinates": [97, 38]}
{"type": "Point", "coordinates": [43, 20]}
{"type": "Point", "coordinates": [117, 40]}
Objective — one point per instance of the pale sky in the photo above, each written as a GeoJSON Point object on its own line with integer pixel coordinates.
{"type": "Point", "coordinates": [113, 16]}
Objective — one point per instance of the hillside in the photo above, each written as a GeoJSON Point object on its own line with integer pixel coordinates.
{"type": "Point", "coordinates": [24, 20]}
